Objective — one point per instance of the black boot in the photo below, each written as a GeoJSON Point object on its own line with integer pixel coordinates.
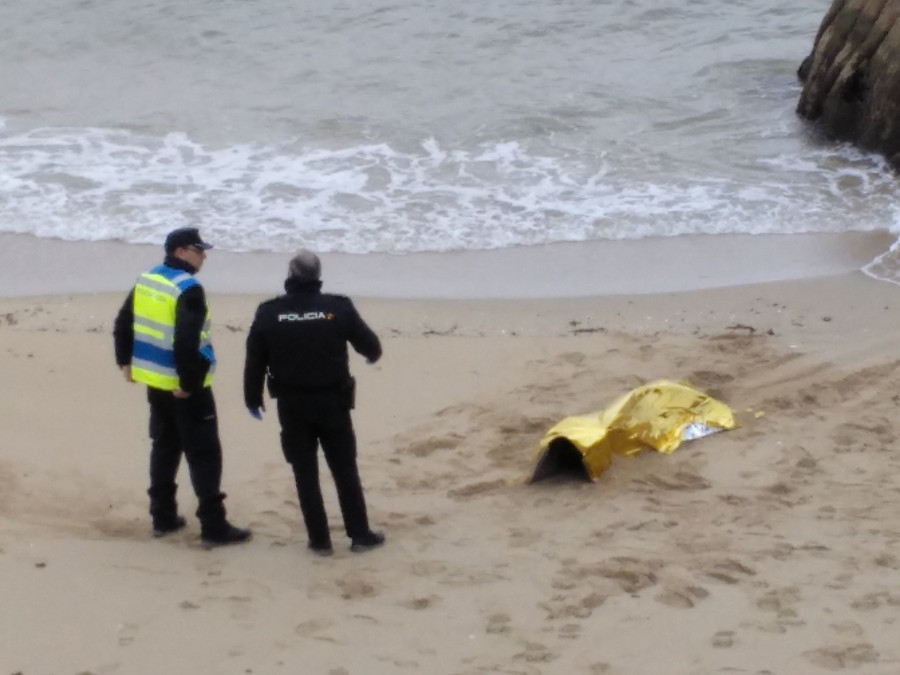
{"type": "Point", "coordinates": [367, 542]}
{"type": "Point", "coordinates": [164, 510]}
{"type": "Point", "coordinates": [215, 530]}
{"type": "Point", "coordinates": [223, 534]}
{"type": "Point", "coordinates": [320, 548]}
{"type": "Point", "coordinates": [163, 527]}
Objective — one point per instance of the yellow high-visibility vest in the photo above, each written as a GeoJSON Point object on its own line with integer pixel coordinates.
{"type": "Point", "coordinates": [156, 295]}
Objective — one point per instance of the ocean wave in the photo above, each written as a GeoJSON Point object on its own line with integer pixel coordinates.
{"type": "Point", "coordinates": [102, 184]}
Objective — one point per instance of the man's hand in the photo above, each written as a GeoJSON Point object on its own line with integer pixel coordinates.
{"type": "Point", "coordinates": [126, 371]}
{"type": "Point", "coordinates": [181, 393]}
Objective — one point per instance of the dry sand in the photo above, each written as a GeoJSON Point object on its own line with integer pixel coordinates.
{"type": "Point", "coordinates": [772, 548]}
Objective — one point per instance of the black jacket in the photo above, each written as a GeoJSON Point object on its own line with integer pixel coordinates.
{"type": "Point", "coordinates": [190, 314]}
{"type": "Point", "coordinates": [300, 340]}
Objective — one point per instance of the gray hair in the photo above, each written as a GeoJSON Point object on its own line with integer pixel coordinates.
{"type": "Point", "coordinates": [305, 266]}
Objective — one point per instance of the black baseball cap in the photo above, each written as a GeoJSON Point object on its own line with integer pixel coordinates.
{"type": "Point", "coordinates": [185, 236]}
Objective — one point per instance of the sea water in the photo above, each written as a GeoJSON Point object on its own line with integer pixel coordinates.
{"type": "Point", "coordinates": [360, 126]}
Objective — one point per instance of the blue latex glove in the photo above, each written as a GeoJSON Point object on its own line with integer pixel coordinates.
{"type": "Point", "coordinates": [256, 412]}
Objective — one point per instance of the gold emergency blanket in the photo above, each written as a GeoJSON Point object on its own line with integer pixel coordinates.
{"type": "Point", "coordinates": [659, 415]}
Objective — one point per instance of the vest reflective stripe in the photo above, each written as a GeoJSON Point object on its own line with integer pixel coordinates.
{"type": "Point", "coordinates": [156, 296]}
{"type": "Point", "coordinates": [156, 333]}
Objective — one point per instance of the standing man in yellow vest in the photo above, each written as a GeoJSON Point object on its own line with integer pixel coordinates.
{"type": "Point", "coordinates": [162, 340]}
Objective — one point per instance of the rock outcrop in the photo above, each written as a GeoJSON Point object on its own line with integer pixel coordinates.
{"type": "Point", "coordinates": [851, 80]}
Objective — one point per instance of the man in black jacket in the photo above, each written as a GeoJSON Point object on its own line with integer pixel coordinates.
{"type": "Point", "coordinates": [298, 341]}
{"type": "Point", "coordinates": [162, 340]}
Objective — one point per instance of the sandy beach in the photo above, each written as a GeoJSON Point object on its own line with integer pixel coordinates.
{"type": "Point", "coordinates": [770, 548]}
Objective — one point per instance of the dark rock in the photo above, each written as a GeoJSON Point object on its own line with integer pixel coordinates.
{"type": "Point", "coordinates": [851, 80]}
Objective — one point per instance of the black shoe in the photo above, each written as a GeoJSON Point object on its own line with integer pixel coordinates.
{"type": "Point", "coordinates": [323, 550]}
{"type": "Point", "coordinates": [367, 542]}
{"type": "Point", "coordinates": [223, 535]}
{"type": "Point", "coordinates": [164, 526]}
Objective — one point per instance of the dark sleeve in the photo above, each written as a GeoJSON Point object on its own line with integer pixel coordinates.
{"type": "Point", "coordinates": [255, 364]}
{"type": "Point", "coordinates": [190, 314]}
{"type": "Point", "coordinates": [362, 337]}
{"type": "Point", "coordinates": [123, 331]}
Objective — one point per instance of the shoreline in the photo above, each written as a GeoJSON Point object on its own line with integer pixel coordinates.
{"type": "Point", "coordinates": [31, 266]}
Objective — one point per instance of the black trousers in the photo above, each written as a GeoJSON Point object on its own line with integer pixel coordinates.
{"type": "Point", "coordinates": [185, 426]}
{"type": "Point", "coordinates": [308, 419]}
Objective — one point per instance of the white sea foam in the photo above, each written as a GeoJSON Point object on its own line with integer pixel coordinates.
{"type": "Point", "coordinates": [97, 184]}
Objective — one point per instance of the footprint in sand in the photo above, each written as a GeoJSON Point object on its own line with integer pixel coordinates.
{"type": "Point", "coordinates": [780, 489]}
{"type": "Point", "coordinates": [313, 626]}
{"type": "Point", "coordinates": [826, 513]}
{"type": "Point", "coordinates": [536, 653]}
{"type": "Point", "coordinates": [682, 481]}
{"type": "Point", "coordinates": [572, 358]}
{"type": "Point", "coordinates": [580, 589]}
{"type": "Point", "coordinates": [887, 560]}
{"type": "Point", "coordinates": [683, 598]}
{"type": "Point", "coordinates": [654, 525]}
{"type": "Point", "coordinates": [841, 658]}
{"type": "Point", "coordinates": [728, 571]}
{"type": "Point", "coordinates": [571, 631]}
{"type": "Point", "coordinates": [498, 624]}
{"type": "Point", "coordinates": [710, 381]}
{"type": "Point", "coordinates": [848, 629]}
{"type": "Point", "coordinates": [630, 581]}
{"type": "Point", "coordinates": [475, 489]}
{"type": "Point", "coordinates": [353, 589]}
{"type": "Point", "coordinates": [876, 601]}
{"type": "Point", "coordinates": [782, 602]}
{"type": "Point", "coordinates": [421, 603]}
{"type": "Point", "coordinates": [429, 568]}
{"type": "Point", "coordinates": [865, 435]}
{"type": "Point", "coordinates": [519, 538]}
{"type": "Point", "coordinates": [723, 639]}
{"type": "Point", "coordinates": [115, 528]}
{"type": "Point", "coordinates": [127, 633]}
{"type": "Point", "coordinates": [237, 606]}
{"type": "Point", "coordinates": [429, 446]}
{"type": "Point", "coordinates": [631, 575]}
{"type": "Point", "coordinates": [785, 619]}
{"type": "Point", "coordinates": [564, 606]}
{"type": "Point", "coordinates": [804, 468]}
